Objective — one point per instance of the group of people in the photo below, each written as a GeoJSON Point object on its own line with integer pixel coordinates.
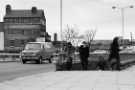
{"type": "Point", "coordinates": [114, 54]}
{"type": "Point", "coordinates": [84, 54]}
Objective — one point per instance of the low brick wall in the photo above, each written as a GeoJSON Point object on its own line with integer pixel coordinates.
{"type": "Point", "coordinates": [9, 57]}
{"type": "Point", "coordinates": [93, 61]}
{"type": "Point", "coordinates": [124, 56]}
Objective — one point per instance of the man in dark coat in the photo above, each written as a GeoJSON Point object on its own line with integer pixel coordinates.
{"type": "Point", "coordinates": [84, 54]}
{"type": "Point", "coordinates": [114, 52]}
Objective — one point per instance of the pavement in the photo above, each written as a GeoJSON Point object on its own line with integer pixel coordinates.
{"type": "Point", "coordinates": [75, 80]}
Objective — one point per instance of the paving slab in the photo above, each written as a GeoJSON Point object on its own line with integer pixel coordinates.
{"type": "Point", "coordinates": [75, 80]}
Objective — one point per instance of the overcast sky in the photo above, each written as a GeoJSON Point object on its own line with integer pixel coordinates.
{"type": "Point", "coordinates": [84, 14]}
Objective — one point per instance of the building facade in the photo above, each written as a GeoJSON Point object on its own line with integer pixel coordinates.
{"type": "Point", "coordinates": [55, 37]}
{"type": "Point", "coordinates": [1, 36]}
{"type": "Point", "coordinates": [1, 27]}
{"type": "Point", "coordinates": [22, 26]}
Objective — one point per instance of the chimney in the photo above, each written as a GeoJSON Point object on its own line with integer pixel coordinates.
{"type": "Point", "coordinates": [8, 8]}
{"type": "Point", "coordinates": [34, 10]}
{"type": "Point", "coordinates": [55, 36]}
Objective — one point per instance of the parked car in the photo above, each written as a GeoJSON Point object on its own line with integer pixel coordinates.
{"type": "Point", "coordinates": [37, 51]}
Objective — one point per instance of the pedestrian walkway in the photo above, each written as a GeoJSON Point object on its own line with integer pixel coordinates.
{"type": "Point", "coordinates": [75, 80]}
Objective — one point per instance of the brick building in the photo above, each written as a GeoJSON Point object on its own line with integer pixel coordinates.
{"type": "Point", "coordinates": [1, 26]}
{"type": "Point", "coordinates": [1, 36]}
{"type": "Point", "coordinates": [22, 26]}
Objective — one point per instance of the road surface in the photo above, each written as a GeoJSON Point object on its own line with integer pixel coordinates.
{"type": "Point", "coordinates": [12, 70]}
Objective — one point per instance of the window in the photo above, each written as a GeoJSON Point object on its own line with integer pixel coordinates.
{"type": "Point", "coordinates": [48, 45]}
{"type": "Point", "coordinates": [11, 42]}
{"type": "Point", "coordinates": [36, 20]}
{"type": "Point", "coordinates": [27, 32]}
{"type": "Point", "coordinates": [22, 19]}
{"type": "Point", "coordinates": [27, 20]}
{"type": "Point", "coordinates": [13, 20]}
{"type": "Point", "coordinates": [15, 31]}
{"type": "Point", "coordinates": [22, 32]}
{"type": "Point", "coordinates": [6, 20]}
{"type": "Point", "coordinates": [17, 20]}
{"type": "Point", "coordinates": [33, 46]}
{"type": "Point", "coordinates": [22, 42]}
{"type": "Point", "coordinates": [17, 43]}
{"type": "Point", "coordinates": [30, 20]}
{"type": "Point", "coordinates": [10, 31]}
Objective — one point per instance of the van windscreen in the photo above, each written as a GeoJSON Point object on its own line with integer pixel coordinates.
{"type": "Point", "coordinates": [33, 46]}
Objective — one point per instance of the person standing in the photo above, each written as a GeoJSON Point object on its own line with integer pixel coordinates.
{"type": "Point", "coordinates": [84, 54]}
{"type": "Point", "coordinates": [114, 52]}
{"type": "Point", "coordinates": [69, 51]}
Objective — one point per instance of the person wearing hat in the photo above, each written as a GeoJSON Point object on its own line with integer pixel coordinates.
{"type": "Point", "coordinates": [84, 54]}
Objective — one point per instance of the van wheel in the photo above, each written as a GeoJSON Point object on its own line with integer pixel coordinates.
{"type": "Point", "coordinates": [39, 60]}
{"type": "Point", "coordinates": [50, 60]}
{"type": "Point", "coordinates": [23, 61]}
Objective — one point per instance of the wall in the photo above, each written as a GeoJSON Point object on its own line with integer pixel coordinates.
{"type": "Point", "coordinates": [1, 41]}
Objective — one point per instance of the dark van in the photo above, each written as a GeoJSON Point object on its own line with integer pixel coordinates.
{"type": "Point", "coordinates": [37, 51]}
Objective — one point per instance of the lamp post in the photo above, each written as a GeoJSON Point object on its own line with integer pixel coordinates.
{"type": "Point", "coordinates": [61, 18]}
{"type": "Point", "coordinates": [61, 24]}
{"type": "Point", "coordinates": [122, 9]}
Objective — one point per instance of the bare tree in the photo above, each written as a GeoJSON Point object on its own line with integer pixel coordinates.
{"type": "Point", "coordinates": [79, 39]}
{"type": "Point", "coordinates": [70, 33]}
{"type": "Point", "coordinates": [89, 36]}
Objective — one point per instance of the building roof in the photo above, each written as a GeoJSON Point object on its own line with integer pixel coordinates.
{"type": "Point", "coordinates": [24, 13]}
